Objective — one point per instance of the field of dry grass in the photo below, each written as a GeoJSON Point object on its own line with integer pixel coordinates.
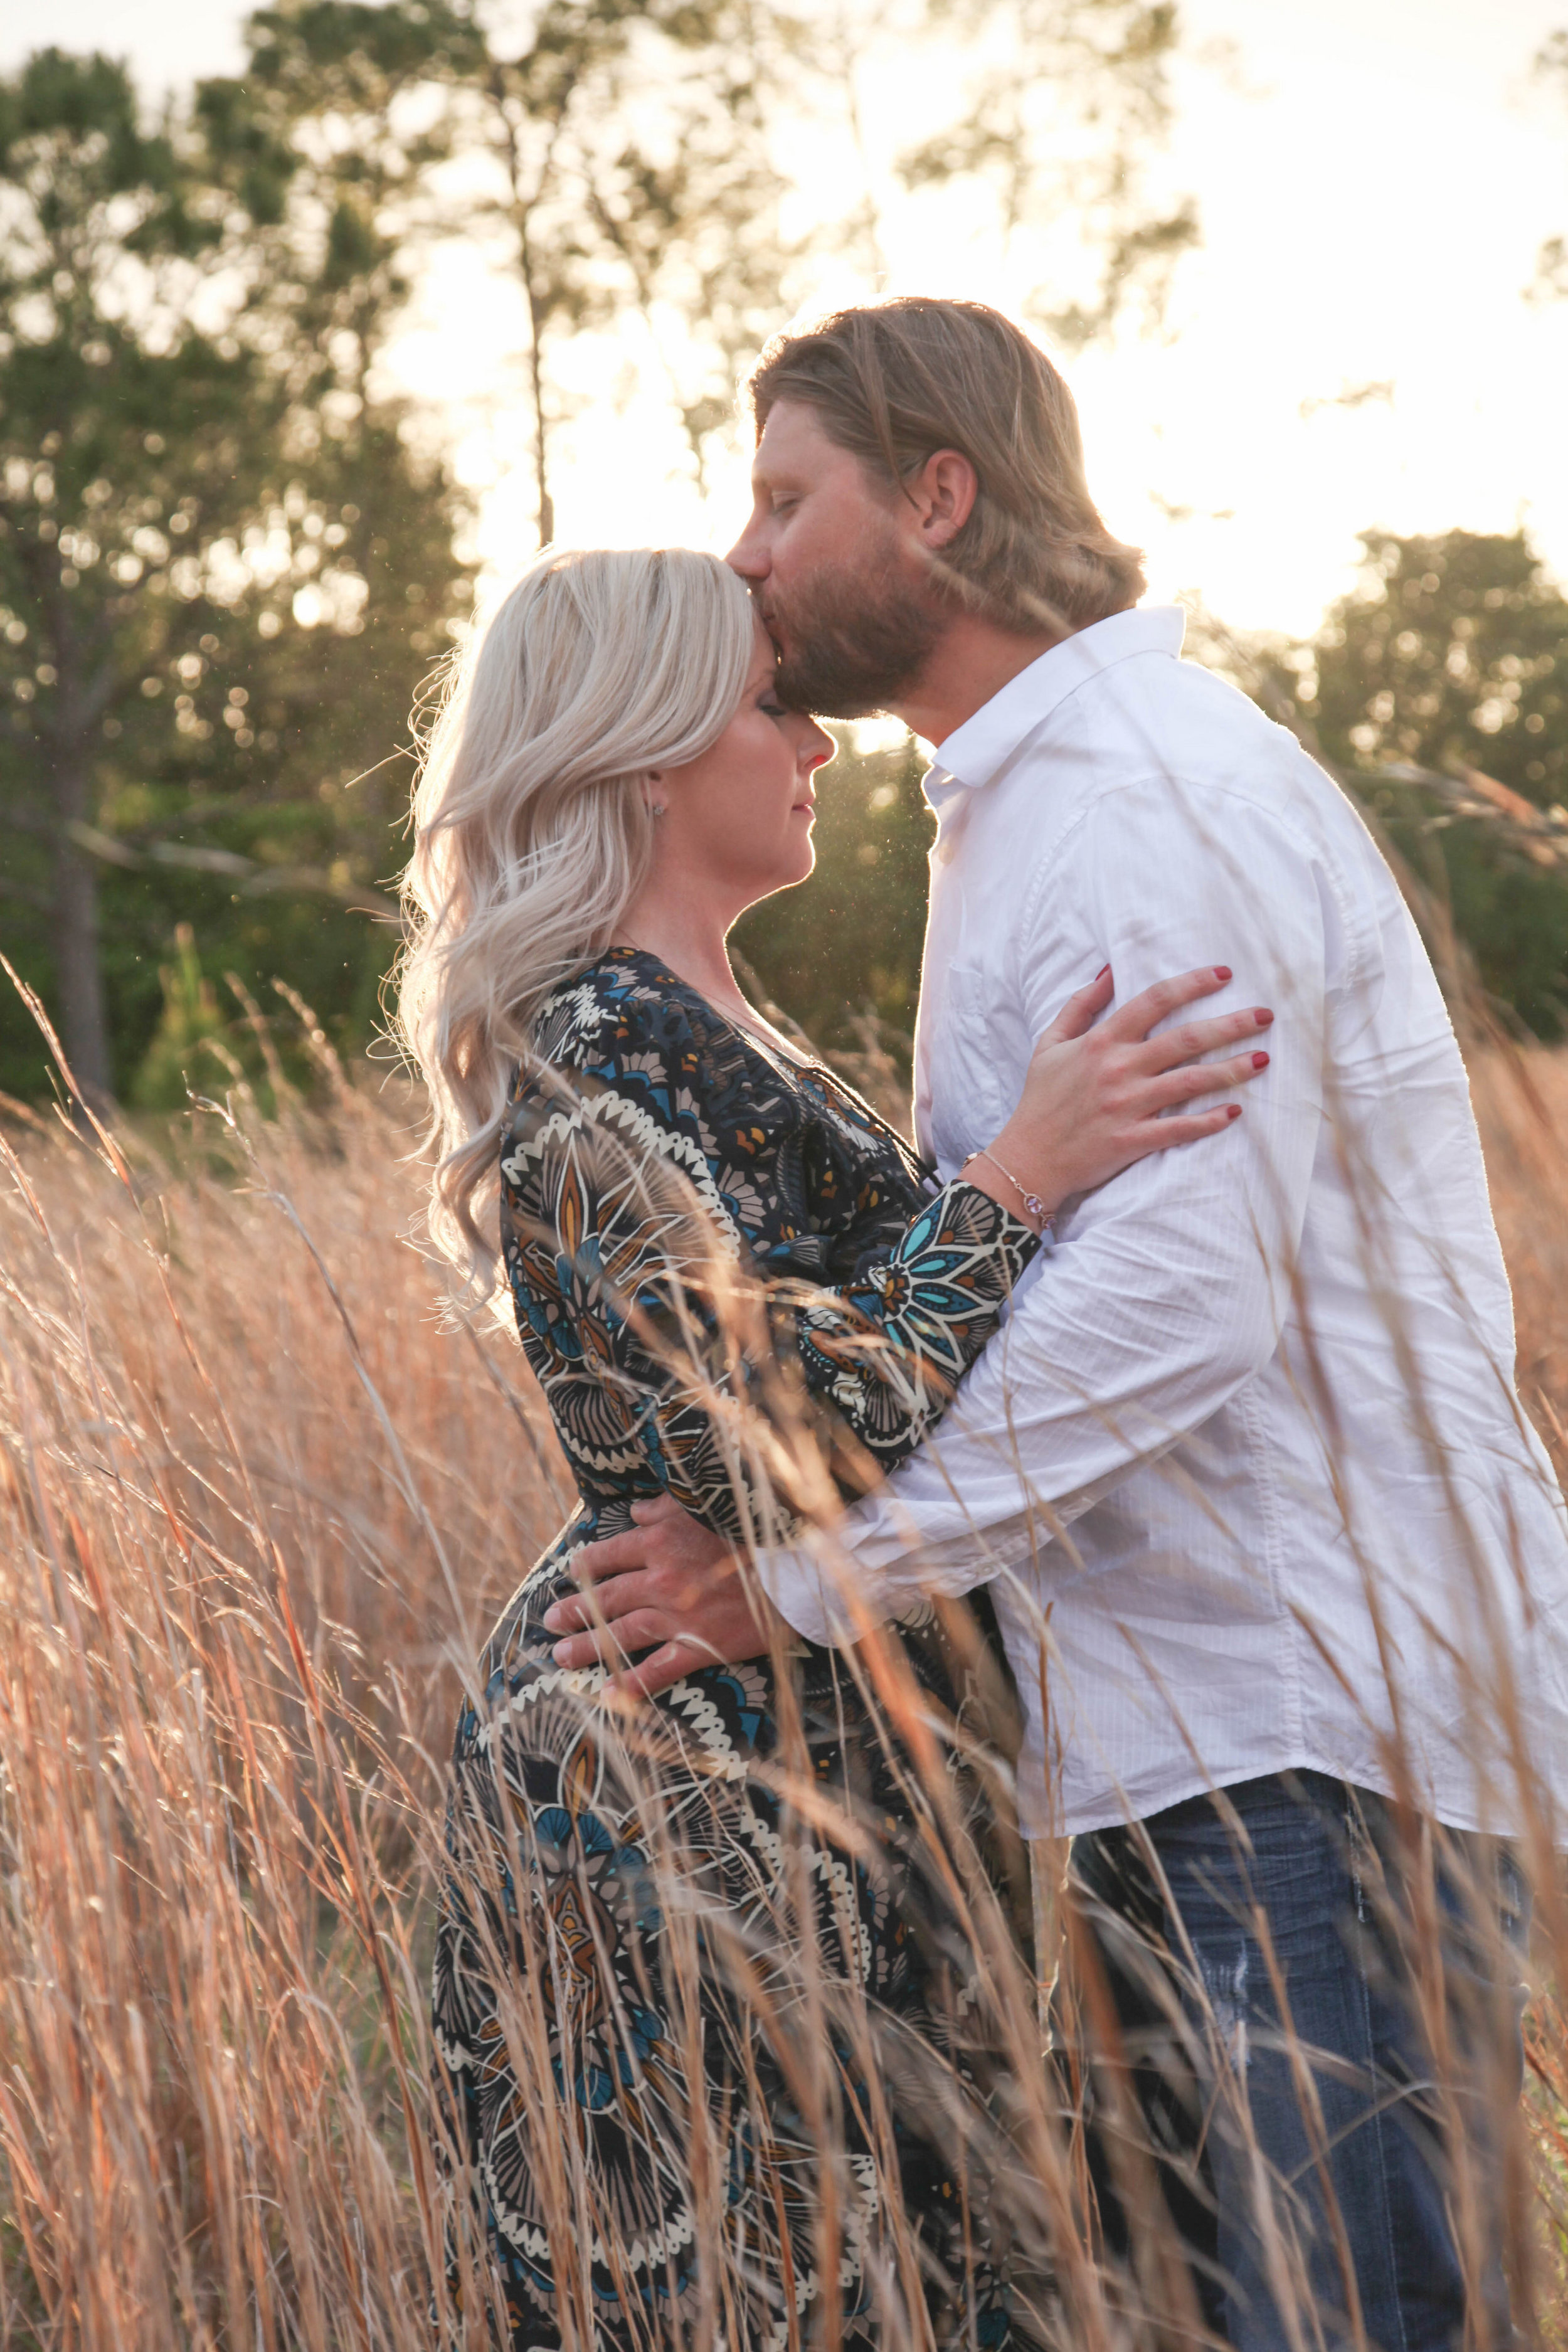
{"type": "Point", "coordinates": [254, 1501]}
{"type": "Point", "coordinates": [258, 1502]}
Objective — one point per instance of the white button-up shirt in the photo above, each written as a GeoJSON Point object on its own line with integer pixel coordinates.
{"type": "Point", "coordinates": [1245, 1467]}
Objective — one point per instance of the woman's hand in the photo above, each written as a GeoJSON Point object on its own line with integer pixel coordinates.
{"type": "Point", "coordinates": [1096, 1099]}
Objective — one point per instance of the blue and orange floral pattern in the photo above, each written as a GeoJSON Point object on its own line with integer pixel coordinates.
{"type": "Point", "coordinates": [729, 1275]}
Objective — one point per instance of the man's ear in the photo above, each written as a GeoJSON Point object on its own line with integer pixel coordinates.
{"type": "Point", "coordinates": [943, 493]}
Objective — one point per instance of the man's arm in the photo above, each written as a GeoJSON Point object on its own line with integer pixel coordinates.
{"type": "Point", "coordinates": [1169, 1286]}
{"type": "Point", "coordinates": [1165, 1294]}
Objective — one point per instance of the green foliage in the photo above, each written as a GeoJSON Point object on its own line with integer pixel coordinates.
{"type": "Point", "coordinates": [1452, 653]}
{"type": "Point", "coordinates": [1036, 75]}
{"type": "Point", "coordinates": [191, 1017]}
{"type": "Point", "coordinates": [223, 567]}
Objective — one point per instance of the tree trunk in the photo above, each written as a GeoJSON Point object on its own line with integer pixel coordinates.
{"type": "Point", "coordinates": [78, 978]}
{"type": "Point", "coordinates": [546, 504]}
{"type": "Point", "coordinates": [65, 743]}
{"type": "Point", "coordinates": [521, 211]}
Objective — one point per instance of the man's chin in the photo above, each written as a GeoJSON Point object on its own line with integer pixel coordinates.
{"type": "Point", "coordinates": [855, 648]}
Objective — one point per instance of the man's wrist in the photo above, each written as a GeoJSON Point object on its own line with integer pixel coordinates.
{"type": "Point", "coordinates": [815, 1587]}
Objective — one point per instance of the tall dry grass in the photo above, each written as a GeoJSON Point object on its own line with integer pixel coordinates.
{"type": "Point", "coordinates": [1521, 1102]}
{"type": "Point", "coordinates": [257, 1504]}
{"type": "Point", "coordinates": [253, 1500]}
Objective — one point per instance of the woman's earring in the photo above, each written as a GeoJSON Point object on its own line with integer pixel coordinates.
{"type": "Point", "coordinates": [655, 808]}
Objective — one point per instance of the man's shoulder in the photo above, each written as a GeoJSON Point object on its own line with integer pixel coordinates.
{"type": "Point", "coordinates": [1162, 767]}
{"type": "Point", "coordinates": [1159, 714]}
{"type": "Point", "coordinates": [1154, 726]}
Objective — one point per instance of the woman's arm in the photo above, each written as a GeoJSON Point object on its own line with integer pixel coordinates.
{"type": "Point", "coordinates": [672, 1368]}
{"type": "Point", "coordinates": [670, 1365]}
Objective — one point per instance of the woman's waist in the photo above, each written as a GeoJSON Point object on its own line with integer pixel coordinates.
{"type": "Point", "coordinates": [598, 1515]}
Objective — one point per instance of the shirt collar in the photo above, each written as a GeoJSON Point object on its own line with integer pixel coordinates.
{"type": "Point", "coordinates": [973, 753]}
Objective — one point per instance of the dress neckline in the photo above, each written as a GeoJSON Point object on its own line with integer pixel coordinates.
{"type": "Point", "coordinates": [775, 1047]}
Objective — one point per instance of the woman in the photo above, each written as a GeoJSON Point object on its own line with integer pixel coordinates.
{"type": "Point", "coordinates": [688, 1956]}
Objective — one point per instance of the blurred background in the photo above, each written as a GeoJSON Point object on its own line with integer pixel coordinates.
{"type": "Point", "coordinates": [315, 321]}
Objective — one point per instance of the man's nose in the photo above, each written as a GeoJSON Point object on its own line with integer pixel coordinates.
{"type": "Point", "coordinates": [747, 556]}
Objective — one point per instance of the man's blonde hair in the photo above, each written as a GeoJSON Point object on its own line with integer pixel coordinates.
{"type": "Point", "coordinates": [533, 834]}
{"type": "Point", "coordinates": [895, 381]}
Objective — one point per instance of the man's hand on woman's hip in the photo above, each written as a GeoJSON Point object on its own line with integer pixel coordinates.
{"type": "Point", "coordinates": [669, 1585]}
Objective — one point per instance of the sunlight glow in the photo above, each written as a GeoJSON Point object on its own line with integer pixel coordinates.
{"type": "Point", "coordinates": [1366, 232]}
{"type": "Point", "coordinates": [1350, 347]}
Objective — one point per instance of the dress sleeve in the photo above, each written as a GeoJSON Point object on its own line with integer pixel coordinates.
{"type": "Point", "coordinates": [670, 1358]}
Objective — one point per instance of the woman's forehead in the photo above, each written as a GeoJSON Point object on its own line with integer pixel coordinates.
{"type": "Point", "coordinates": [765, 658]}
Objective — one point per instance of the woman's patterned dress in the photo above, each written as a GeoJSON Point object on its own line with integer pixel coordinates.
{"type": "Point", "coordinates": [610, 2127]}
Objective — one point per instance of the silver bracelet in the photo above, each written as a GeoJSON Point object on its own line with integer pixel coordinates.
{"type": "Point", "coordinates": [1031, 1200]}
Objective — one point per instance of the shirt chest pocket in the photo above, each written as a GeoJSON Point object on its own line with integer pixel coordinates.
{"type": "Point", "coordinates": [975, 1074]}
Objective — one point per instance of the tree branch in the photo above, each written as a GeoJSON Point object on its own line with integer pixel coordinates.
{"type": "Point", "coordinates": [256, 880]}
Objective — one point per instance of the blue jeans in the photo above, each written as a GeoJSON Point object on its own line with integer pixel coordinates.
{"type": "Point", "coordinates": [1242, 2023]}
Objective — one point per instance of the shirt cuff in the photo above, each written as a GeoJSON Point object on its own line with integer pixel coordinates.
{"type": "Point", "coordinates": [808, 1589]}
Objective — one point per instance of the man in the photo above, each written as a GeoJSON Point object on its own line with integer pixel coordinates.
{"type": "Point", "coordinates": [1280, 1567]}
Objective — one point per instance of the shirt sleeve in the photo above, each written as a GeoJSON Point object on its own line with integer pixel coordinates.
{"type": "Point", "coordinates": [1168, 1288]}
{"type": "Point", "coordinates": [670, 1362]}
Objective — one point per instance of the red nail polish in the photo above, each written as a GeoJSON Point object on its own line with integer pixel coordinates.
{"type": "Point", "coordinates": [1260, 1061]}
{"type": "Point", "coordinates": [1102, 972]}
{"type": "Point", "coordinates": [1263, 1017]}
{"type": "Point", "coordinates": [1222, 972]}
{"type": "Point", "coordinates": [1233, 1110]}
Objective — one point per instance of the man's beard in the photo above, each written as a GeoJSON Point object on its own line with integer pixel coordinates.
{"type": "Point", "coordinates": [857, 636]}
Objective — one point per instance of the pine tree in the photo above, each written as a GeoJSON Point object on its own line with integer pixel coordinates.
{"type": "Point", "coordinates": [222, 566]}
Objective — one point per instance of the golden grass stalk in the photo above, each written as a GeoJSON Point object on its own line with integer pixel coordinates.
{"type": "Point", "coordinates": [259, 1502]}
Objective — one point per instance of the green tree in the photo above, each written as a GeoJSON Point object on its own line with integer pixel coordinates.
{"type": "Point", "coordinates": [224, 557]}
{"type": "Point", "coordinates": [222, 566]}
{"type": "Point", "coordinates": [1451, 653]}
{"type": "Point", "coordinates": [642, 172]}
{"type": "Point", "coordinates": [1058, 120]}
{"type": "Point", "coordinates": [123, 423]}
{"type": "Point", "coordinates": [624, 180]}
{"type": "Point", "coordinates": [631, 182]}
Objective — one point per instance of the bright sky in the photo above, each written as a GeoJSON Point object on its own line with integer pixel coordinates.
{"type": "Point", "coordinates": [1374, 178]}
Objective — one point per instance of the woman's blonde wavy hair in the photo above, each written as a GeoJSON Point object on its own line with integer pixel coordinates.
{"type": "Point", "coordinates": [533, 834]}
